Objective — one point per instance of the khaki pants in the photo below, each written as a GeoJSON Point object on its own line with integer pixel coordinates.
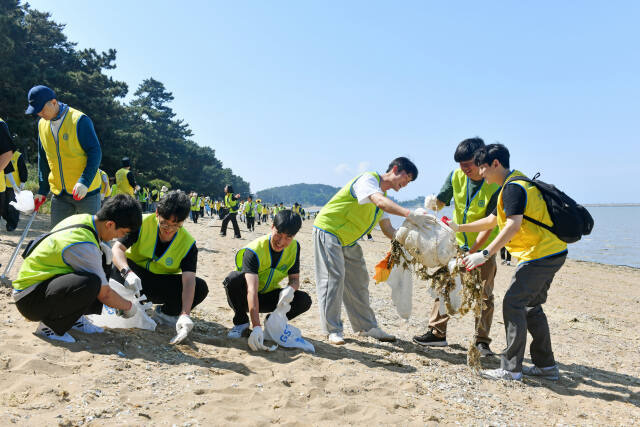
{"type": "Point", "coordinates": [438, 322]}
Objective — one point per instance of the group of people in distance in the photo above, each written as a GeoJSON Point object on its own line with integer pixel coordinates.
{"type": "Point", "coordinates": [66, 273]}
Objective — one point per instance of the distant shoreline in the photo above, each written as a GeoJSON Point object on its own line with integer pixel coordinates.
{"type": "Point", "coordinates": [611, 205]}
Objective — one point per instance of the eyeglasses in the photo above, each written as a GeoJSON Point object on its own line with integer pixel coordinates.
{"type": "Point", "coordinates": [165, 225]}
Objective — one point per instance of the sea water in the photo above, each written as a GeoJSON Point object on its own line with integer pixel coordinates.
{"type": "Point", "coordinates": [615, 238]}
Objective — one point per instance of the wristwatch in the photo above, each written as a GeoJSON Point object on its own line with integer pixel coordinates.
{"type": "Point", "coordinates": [124, 271]}
{"type": "Point", "coordinates": [485, 254]}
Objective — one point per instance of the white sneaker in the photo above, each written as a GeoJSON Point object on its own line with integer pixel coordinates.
{"type": "Point", "coordinates": [84, 325]}
{"type": "Point", "coordinates": [501, 374]}
{"type": "Point", "coordinates": [165, 319]}
{"type": "Point", "coordinates": [336, 338]}
{"type": "Point", "coordinates": [237, 330]}
{"type": "Point", "coordinates": [378, 334]}
{"type": "Point", "coordinates": [45, 331]}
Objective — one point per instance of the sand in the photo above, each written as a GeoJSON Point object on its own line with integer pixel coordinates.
{"type": "Point", "coordinates": [133, 377]}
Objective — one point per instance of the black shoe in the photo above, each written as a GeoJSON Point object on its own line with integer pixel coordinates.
{"type": "Point", "coordinates": [484, 349]}
{"type": "Point", "coordinates": [223, 235]}
{"type": "Point", "coordinates": [430, 340]}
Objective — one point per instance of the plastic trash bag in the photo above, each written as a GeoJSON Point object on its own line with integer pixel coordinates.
{"type": "Point", "coordinates": [401, 283]}
{"type": "Point", "coordinates": [278, 330]}
{"type": "Point", "coordinates": [109, 318]}
{"type": "Point", "coordinates": [24, 202]}
{"type": "Point", "coordinates": [431, 242]}
{"type": "Point", "coordinates": [383, 269]}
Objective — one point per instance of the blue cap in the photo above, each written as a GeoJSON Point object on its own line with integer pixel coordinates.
{"type": "Point", "coordinates": [38, 96]}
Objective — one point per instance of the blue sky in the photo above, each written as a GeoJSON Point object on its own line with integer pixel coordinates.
{"type": "Point", "coordinates": [290, 92]}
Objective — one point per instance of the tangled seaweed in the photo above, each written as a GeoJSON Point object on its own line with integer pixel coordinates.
{"type": "Point", "coordinates": [442, 282]}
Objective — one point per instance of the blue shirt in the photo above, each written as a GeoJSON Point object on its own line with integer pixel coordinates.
{"type": "Point", "coordinates": [89, 143]}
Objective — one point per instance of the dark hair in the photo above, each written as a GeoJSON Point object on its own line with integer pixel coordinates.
{"type": "Point", "coordinates": [228, 188]}
{"type": "Point", "coordinates": [405, 165]}
{"type": "Point", "coordinates": [122, 209]}
{"type": "Point", "coordinates": [174, 204]}
{"type": "Point", "coordinates": [465, 150]}
{"type": "Point", "coordinates": [488, 153]}
{"type": "Point", "coordinates": [287, 222]}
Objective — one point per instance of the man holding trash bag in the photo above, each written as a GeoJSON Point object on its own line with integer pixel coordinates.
{"type": "Point", "coordinates": [63, 276]}
{"type": "Point", "coordinates": [255, 285]}
{"type": "Point", "coordinates": [160, 262]}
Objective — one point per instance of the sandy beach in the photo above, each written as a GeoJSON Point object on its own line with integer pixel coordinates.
{"type": "Point", "coordinates": [134, 377]}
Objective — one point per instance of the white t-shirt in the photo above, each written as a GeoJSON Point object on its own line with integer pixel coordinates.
{"type": "Point", "coordinates": [364, 187]}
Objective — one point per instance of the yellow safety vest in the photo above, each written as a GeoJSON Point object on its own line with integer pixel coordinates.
{"type": "Point", "coordinates": [16, 175]}
{"type": "Point", "coordinates": [123, 183]}
{"type": "Point", "coordinates": [194, 204]}
{"type": "Point", "coordinates": [231, 203]}
{"type": "Point", "coordinates": [347, 219]}
{"type": "Point", "coordinates": [104, 186]}
{"type": "Point", "coordinates": [269, 278]}
{"type": "Point", "coordinates": [471, 207]}
{"type": "Point", "coordinates": [142, 252]}
{"type": "Point", "coordinates": [67, 159]}
{"type": "Point", "coordinates": [531, 242]}
{"type": "Point", "coordinates": [3, 184]}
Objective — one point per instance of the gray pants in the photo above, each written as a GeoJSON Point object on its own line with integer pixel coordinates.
{"type": "Point", "coordinates": [64, 205]}
{"type": "Point", "coordinates": [341, 276]}
{"type": "Point", "coordinates": [522, 311]}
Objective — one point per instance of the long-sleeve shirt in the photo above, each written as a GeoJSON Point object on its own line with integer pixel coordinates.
{"type": "Point", "coordinates": [89, 143]}
{"type": "Point", "coordinates": [6, 144]}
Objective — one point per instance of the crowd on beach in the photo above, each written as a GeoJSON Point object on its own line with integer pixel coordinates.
{"type": "Point", "coordinates": [134, 235]}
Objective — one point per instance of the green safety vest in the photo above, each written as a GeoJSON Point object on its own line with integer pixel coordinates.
{"type": "Point", "coordinates": [142, 252]}
{"type": "Point", "coordinates": [345, 218]}
{"type": "Point", "coordinates": [123, 183]}
{"type": "Point", "coordinates": [269, 278]}
{"type": "Point", "coordinates": [230, 203]}
{"type": "Point", "coordinates": [249, 210]}
{"type": "Point", "coordinates": [154, 195]}
{"type": "Point", "coordinates": [471, 207]}
{"type": "Point", "coordinates": [46, 260]}
{"type": "Point", "coordinates": [67, 159]}
{"type": "Point", "coordinates": [195, 206]}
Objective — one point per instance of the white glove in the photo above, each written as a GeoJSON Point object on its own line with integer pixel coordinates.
{"type": "Point", "coordinates": [431, 202]}
{"type": "Point", "coordinates": [128, 313]}
{"type": "Point", "coordinates": [452, 225]}
{"type": "Point", "coordinates": [417, 216]}
{"type": "Point", "coordinates": [473, 260]}
{"type": "Point", "coordinates": [286, 295]}
{"type": "Point", "coordinates": [256, 340]}
{"type": "Point", "coordinates": [133, 282]}
{"type": "Point", "coordinates": [184, 325]}
{"type": "Point", "coordinates": [79, 191]}
{"type": "Point", "coordinates": [106, 250]}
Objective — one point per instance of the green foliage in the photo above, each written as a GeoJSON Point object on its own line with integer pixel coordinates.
{"type": "Point", "coordinates": [158, 183]}
{"type": "Point", "coordinates": [305, 194]}
{"type": "Point", "coordinates": [35, 50]}
{"type": "Point", "coordinates": [418, 202]}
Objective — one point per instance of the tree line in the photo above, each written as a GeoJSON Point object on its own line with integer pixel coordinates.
{"type": "Point", "coordinates": [34, 50]}
{"type": "Point", "coordinates": [305, 194]}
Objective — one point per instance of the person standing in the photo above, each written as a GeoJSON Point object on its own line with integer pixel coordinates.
{"type": "Point", "coordinates": [6, 167]}
{"type": "Point", "coordinates": [125, 181]}
{"type": "Point", "coordinates": [18, 177]}
{"type": "Point", "coordinates": [105, 189]}
{"type": "Point", "coordinates": [540, 255]}
{"type": "Point", "coordinates": [473, 198]}
{"type": "Point", "coordinates": [68, 156]}
{"type": "Point", "coordinates": [231, 203]}
{"type": "Point", "coordinates": [195, 207]}
{"type": "Point", "coordinates": [250, 213]}
{"type": "Point", "coordinates": [340, 269]}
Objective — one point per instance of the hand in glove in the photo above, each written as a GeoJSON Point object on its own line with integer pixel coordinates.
{"type": "Point", "coordinates": [184, 325]}
{"type": "Point", "coordinates": [474, 260]}
{"type": "Point", "coordinates": [256, 340]}
{"type": "Point", "coordinates": [431, 202]}
{"type": "Point", "coordinates": [79, 191]}
{"type": "Point", "coordinates": [38, 200]}
{"type": "Point", "coordinates": [133, 282]}
{"type": "Point", "coordinates": [417, 216]}
{"type": "Point", "coordinates": [286, 295]}
{"type": "Point", "coordinates": [106, 250]}
{"type": "Point", "coordinates": [452, 225]}
{"type": "Point", "coordinates": [128, 313]}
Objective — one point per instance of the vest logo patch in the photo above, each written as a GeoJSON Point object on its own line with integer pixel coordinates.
{"type": "Point", "coordinates": [481, 203]}
{"type": "Point", "coordinates": [284, 267]}
{"type": "Point", "coordinates": [65, 136]}
{"type": "Point", "coordinates": [169, 261]}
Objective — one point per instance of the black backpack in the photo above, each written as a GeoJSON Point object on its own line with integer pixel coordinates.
{"type": "Point", "coordinates": [570, 220]}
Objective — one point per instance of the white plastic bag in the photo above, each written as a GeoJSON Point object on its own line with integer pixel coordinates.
{"type": "Point", "coordinates": [109, 318]}
{"type": "Point", "coordinates": [431, 242]}
{"type": "Point", "coordinates": [278, 330]}
{"type": "Point", "coordinates": [401, 283]}
{"type": "Point", "coordinates": [24, 202]}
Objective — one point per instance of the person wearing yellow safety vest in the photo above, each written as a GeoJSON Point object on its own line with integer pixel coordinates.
{"type": "Point", "coordinates": [340, 269]}
{"type": "Point", "coordinates": [7, 149]}
{"type": "Point", "coordinates": [154, 197]}
{"type": "Point", "coordinates": [65, 275]}
{"type": "Point", "coordinates": [194, 201]}
{"type": "Point", "coordinates": [18, 177]}
{"type": "Point", "coordinates": [125, 181]}
{"type": "Point", "coordinates": [250, 213]}
{"type": "Point", "coordinates": [540, 255]}
{"type": "Point", "coordinates": [259, 210]}
{"type": "Point", "coordinates": [105, 189]}
{"type": "Point", "coordinates": [161, 260]}
{"type": "Point", "coordinates": [69, 154]}
{"type": "Point", "coordinates": [473, 198]}
{"type": "Point", "coordinates": [231, 203]}
{"type": "Point", "coordinates": [255, 286]}
{"type": "Point", "coordinates": [265, 213]}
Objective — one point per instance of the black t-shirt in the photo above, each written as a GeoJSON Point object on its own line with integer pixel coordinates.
{"type": "Point", "coordinates": [188, 263]}
{"type": "Point", "coordinates": [514, 200]}
{"type": "Point", "coordinates": [6, 144]}
{"type": "Point", "coordinates": [250, 263]}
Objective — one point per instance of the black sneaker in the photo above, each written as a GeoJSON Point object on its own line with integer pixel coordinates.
{"type": "Point", "coordinates": [430, 340]}
{"type": "Point", "coordinates": [484, 349]}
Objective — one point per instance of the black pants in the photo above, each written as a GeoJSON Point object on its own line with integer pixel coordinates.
{"type": "Point", "coordinates": [230, 217]}
{"type": "Point", "coordinates": [60, 301]}
{"type": "Point", "coordinates": [194, 216]}
{"type": "Point", "coordinates": [9, 213]}
{"type": "Point", "coordinates": [251, 223]}
{"type": "Point", "coordinates": [164, 288]}
{"type": "Point", "coordinates": [235, 286]}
